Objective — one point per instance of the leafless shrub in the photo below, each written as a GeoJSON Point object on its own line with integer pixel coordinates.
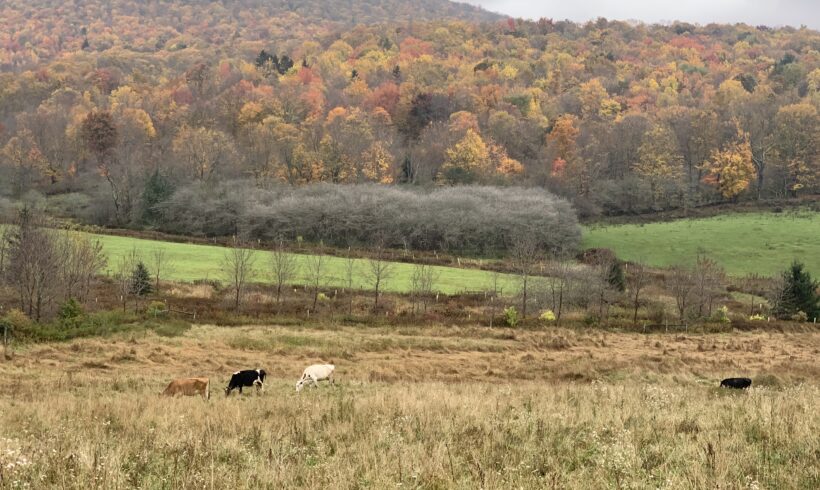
{"type": "Point", "coordinates": [467, 218]}
{"type": "Point", "coordinates": [422, 282]}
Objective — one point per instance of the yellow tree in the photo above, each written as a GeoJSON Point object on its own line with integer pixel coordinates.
{"type": "Point", "coordinates": [288, 155]}
{"type": "Point", "coordinates": [658, 159]}
{"type": "Point", "coordinates": [731, 169]}
{"type": "Point", "coordinates": [592, 95]}
{"type": "Point", "coordinates": [502, 163]}
{"type": "Point", "coordinates": [376, 163]}
{"type": "Point", "coordinates": [203, 153]}
{"type": "Point", "coordinates": [467, 161]}
{"type": "Point", "coordinates": [348, 135]}
{"type": "Point", "coordinates": [27, 162]}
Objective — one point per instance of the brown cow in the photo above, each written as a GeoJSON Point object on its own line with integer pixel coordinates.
{"type": "Point", "coordinates": [189, 387]}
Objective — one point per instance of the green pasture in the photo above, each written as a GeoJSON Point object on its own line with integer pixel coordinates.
{"type": "Point", "coordinates": [191, 262]}
{"type": "Point", "coordinates": [762, 243]}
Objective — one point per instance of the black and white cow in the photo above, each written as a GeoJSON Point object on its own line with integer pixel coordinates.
{"type": "Point", "coordinates": [736, 383]}
{"type": "Point", "coordinates": [249, 377]}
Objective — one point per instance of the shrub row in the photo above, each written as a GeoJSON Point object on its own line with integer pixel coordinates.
{"type": "Point", "coordinates": [470, 219]}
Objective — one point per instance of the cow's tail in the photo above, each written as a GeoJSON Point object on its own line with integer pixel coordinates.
{"type": "Point", "coordinates": [208, 389]}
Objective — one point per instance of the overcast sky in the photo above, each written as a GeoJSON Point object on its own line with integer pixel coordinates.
{"type": "Point", "coordinates": [754, 12]}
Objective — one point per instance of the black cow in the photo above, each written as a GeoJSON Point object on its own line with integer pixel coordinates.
{"type": "Point", "coordinates": [249, 377]}
{"type": "Point", "coordinates": [736, 383]}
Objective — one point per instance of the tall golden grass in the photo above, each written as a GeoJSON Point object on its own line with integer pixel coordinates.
{"type": "Point", "coordinates": [420, 408]}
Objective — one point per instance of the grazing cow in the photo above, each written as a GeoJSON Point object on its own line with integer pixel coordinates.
{"type": "Point", "coordinates": [249, 377]}
{"type": "Point", "coordinates": [189, 387]}
{"type": "Point", "coordinates": [314, 374]}
{"type": "Point", "coordinates": [736, 383]}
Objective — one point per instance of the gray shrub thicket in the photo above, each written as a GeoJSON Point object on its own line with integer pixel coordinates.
{"type": "Point", "coordinates": [473, 219]}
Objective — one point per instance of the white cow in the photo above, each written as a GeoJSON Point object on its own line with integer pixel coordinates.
{"type": "Point", "coordinates": [314, 374]}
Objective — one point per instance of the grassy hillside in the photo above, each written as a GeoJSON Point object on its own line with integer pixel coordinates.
{"type": "Point", "coordinates": [762, 243]}
{"type": "Point", "coordinates": [422, 408]}
{"type": "Point", "coordinates": [191, 262]}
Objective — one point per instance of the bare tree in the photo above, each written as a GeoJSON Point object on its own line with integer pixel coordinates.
{"type": "Point", "coordinates": [284, 267]}
{"type": "Point", "coordinates": [752, 284]}
{"type": "Point", "coordinates": [524, 254]}
{"type": "Point", "coordinates": [237, 268]}
{"type": "Point", "coordinates": [777, 291]}
{"type": "Point", "coordinates": [33, 264]}
{"type": "Point", "coordinates": [422, 281]}
{"type": "Point", "coordinates": [81, 259]}
{"type": "Point", "coordinates": [708, 281]}
{"type": "Point", "coordinates": [560, 277]}
{"type": "Point", "coordinates": [605, 291]}
{"type": "Point", "coordinates": [380, 269]}
{"type": "Point", "coordinates": [349, 271]}
{"type": "Point", "coordinates": [681, 284]}
{"type": "Point", "coordinates": [637, 277]}
{"type": "Point", "coordinates": [123, 275]}
{"type": "Point", "coordinates": [315, 274]}
{"type": "Point", "coordinates": [494, 290]}
{"type": "Point", "coordinates": [161, 265]}
{"type": "Point", "coordinates": [5, 245]}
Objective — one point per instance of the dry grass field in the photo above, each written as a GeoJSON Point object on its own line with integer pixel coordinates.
{"type": "Point", "coordinates": [415, 407]}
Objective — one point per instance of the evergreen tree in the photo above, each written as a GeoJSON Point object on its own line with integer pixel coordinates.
{"type": "Point", "coordinates": [285, 64]}
{"type": "Point", "coordinates": [616, 277]}
{"type": "Point", "coordinates": [141, 280]}
{"type": "Point", "coordinates": [264, 58]}
{"type": "Point", "coordinates": [158, 189]}
{"type": "Point", "coordinates": [799, 294]}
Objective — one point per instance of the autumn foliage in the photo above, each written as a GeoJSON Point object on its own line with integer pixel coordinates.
{"type": "Point", "coordinates": [97, 97]}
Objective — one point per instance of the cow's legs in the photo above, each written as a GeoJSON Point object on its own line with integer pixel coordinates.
{"type": "Point", "coordinates": [315, 381]}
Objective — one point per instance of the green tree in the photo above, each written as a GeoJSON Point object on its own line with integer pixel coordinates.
{"type": "Point", "coordinates": [799, 293]}
{"type": "Point", "coordinates": [141, 280]}
{"type": "Point", "coordinates": [616, 276]}
{"type": "Point", "coordinates": [70, 313]}
{"type": "Point", "coordinates": [158, 189]}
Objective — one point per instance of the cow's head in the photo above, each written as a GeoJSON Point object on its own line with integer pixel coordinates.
{"type": "Point", "coordinates": [300, 384]}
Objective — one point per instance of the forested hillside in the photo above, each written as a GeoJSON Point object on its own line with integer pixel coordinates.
{"type": "Point", "coordinates": [34, 30]}
{"type": "Point", "coordinates": [109, 108]}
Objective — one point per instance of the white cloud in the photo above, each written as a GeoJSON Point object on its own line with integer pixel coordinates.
{"type": "Point", "coordinates": [754, 12]}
